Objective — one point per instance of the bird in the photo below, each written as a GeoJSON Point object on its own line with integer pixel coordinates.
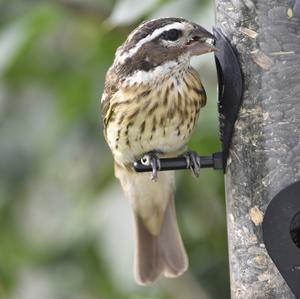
{"type": "Point", "coordinates": [150, 104]}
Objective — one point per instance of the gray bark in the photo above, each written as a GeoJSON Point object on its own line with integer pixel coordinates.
{"type": "Point", "coordinates": [265, 153]}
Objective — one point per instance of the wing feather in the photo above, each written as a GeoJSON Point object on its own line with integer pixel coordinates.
{"type": "Point", "coordinates": [110, 89]}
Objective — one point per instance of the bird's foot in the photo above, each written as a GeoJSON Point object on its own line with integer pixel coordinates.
{"type": "Point", "coordinates": [193, 162]}
{"type": "Point", "coordinates": [151, 158]}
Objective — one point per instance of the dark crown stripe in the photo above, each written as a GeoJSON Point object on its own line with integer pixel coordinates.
{"type": "Point", "coordinates": [148, 28]}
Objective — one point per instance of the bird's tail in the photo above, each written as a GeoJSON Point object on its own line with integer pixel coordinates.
{"type": "Point", "coordinates": [158, 247]}
{"type": "Point", "coordinates": [159, 254]}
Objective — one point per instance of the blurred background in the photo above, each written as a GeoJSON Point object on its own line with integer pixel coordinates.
{"type": "Point", "coordinates": [65, 226]}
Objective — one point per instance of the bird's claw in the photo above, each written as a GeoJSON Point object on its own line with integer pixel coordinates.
{"type": "Point", "coordinates": [152, 159]}
{"type": "Point", "coordinates": [193, 162]}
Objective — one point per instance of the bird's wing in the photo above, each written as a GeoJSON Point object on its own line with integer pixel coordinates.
{"type": "Point", "coordinates": [110, 90]}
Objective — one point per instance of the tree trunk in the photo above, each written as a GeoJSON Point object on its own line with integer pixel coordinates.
{"type": "Point", "coordinates": [265, 150]}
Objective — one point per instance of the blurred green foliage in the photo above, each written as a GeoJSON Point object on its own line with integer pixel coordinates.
{"type": "Point", "coordinates": [65, 228]}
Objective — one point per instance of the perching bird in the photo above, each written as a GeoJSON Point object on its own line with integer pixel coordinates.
{"type": "Point", "coordinates": [150, 105]}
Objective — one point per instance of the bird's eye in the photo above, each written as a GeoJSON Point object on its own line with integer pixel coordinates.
{"type": "Point", "coordinates": [171, 35]}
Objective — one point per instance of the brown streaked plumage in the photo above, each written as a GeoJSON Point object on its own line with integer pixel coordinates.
{"type": "Point", "coordinates": [151, 101]}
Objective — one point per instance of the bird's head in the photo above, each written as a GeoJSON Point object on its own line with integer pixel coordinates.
{"type": "Point", "coordinates": [160, 45]}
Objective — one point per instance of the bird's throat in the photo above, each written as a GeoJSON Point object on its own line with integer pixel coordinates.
{"type": "Point", "coordinates": [159, 72]}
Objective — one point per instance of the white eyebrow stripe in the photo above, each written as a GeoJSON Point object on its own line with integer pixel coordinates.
{"type": "Point", "coordinates": [155, 34]}
{"type": "Point", "coordinates": [158, 32]}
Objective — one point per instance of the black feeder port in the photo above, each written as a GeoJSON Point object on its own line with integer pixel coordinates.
{"type": "Point", "coordinates": [281, 232]}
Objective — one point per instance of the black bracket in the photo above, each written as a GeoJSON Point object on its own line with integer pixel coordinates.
{"type": "Point", "coordinates": [230, 88]}
{"type": "Point", "coordinates": [281, 233]}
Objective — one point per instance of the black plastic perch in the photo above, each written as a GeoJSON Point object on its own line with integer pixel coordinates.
{"type": "Point", "coordinates": [230, 89]}
{"type": "Point", "coordinates": [214, 161]}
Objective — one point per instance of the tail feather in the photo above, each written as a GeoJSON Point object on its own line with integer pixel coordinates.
{"type": "Point", "coordinates": [148, 262]}
{"type": "Point", "coordinates": [162, 254]}
{"type": "Point", "coordinates": [171, 245]}
{"type": "Point", "coordinates": [159, 247]}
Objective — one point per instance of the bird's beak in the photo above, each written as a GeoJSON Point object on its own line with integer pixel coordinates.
{"type": "Point", "coordinates": [200, 41]}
